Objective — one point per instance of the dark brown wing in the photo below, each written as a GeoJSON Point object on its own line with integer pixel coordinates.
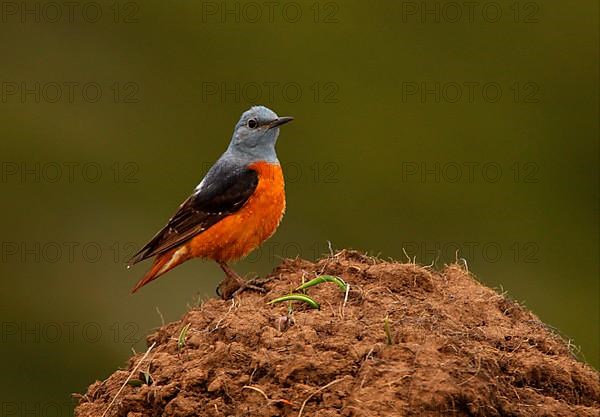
{"type": "Point", "coordinates": [219, 195]}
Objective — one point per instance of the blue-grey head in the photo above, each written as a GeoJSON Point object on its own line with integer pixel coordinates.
{"type": "Point", "coordinates": [255, 135]}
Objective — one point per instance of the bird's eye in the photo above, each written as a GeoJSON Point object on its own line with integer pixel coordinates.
{"type": "Point", "coordinates": [252, 124]}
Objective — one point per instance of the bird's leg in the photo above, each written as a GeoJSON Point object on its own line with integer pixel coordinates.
{"type": "Point", "coordinates": [233, 284]}
{"type": "Point", "coordinates": [230, 284]}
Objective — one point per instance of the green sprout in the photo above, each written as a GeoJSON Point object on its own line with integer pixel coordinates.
{"type": "Point", "coordinates": [135, 383]}
{"type": "Point", "coordinates": [182, 335]}
{"type": "Point", "coordinates": [147, 377]}
{"type": "Point", "coordinates": [321, 279]}
{"type": "Point", "coordinates": [297, 297]}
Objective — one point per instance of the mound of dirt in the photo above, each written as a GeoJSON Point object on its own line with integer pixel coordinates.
{"type": "Point", "coordinates": [452, 347]}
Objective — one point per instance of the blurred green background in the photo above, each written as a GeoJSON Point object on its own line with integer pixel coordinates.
{"type": "Point", "coordinates": [428, 126]}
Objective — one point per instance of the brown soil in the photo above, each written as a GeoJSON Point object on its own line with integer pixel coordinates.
{"type": "Point", "coordinates": [458, 348]}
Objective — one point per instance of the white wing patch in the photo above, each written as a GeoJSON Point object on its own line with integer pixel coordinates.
{"type": "Point", "coordinates": [199, 186]}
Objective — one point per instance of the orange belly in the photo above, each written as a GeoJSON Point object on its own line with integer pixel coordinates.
{"type": "Point", "coordinates": [238, 234]}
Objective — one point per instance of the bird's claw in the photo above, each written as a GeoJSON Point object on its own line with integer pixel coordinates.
{"type": "Point", "coordinates": [228, 289]}
{"type": "Point", "coordinates": [255, 284]}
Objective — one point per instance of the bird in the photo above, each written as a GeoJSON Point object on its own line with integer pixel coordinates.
{"type": "Point", "coordinates": [236, 207]}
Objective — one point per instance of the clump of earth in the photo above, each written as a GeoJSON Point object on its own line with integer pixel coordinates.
{"type": "Point", "coordinates": [405, 340]}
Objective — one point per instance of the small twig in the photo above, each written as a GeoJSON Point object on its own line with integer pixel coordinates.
{"type": "Point", "coordinates": [406, 254]}
{"type": "Point", "coordinates": [269, 401]}
{"type": "Point", "coordinates": [324, 387]}
{"type": "Point", "coordinates": [128, 378]}
{"type": "Point", "coordinates": [475, 374]}
{"type": "Point", "coordinates": [466, 265]}
{"type": "Point", "coordinates": [345, 298]}
{"type": "Point", "coordinates": [388, 331]}
{"type": "Point", "coordinates": [365, 361]}
{"type": "Point", "coordinates": [257, 390]}
{"type": "Point", "coordinates": [162, 319]}
{"type": "Point", "coordinates": [224, 317]}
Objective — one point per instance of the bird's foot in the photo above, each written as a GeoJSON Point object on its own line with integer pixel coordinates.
{"type": "Point", "coordinates": [230, 287]}
{"type": "Point", "coordinates": [234, 284]}
{"type": "Point", "coordinates": [255, 284]}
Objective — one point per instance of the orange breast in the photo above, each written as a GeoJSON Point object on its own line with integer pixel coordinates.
{"type": "Point", "coordinates": [238, 234]}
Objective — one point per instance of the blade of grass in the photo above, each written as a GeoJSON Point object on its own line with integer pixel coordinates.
{"type": "Point", "coordinates": [297, 297]}
{"type": "Point", "coordinates": [321, 279]}
{"type": "Point", "coordinates": [135, 383]}
{"type": "Point", "coordinates": [182, 335]}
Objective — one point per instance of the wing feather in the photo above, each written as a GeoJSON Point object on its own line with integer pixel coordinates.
{"type": "Point", "coordinates": [211, 202]}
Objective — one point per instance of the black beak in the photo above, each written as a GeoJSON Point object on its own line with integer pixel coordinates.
{"type": "Point", "coordinates": [280, 121]}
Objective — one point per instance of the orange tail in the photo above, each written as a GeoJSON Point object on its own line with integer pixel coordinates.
{"type": "Point", "coordinates": [162, 264]}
